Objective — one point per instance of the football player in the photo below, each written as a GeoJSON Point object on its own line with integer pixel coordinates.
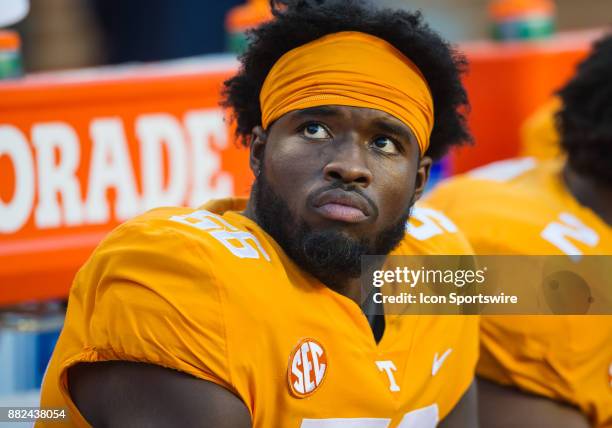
{"type": "Point", "coordinates": [547, 371]}
{"type": "Point", "coordinates": [247, 313]}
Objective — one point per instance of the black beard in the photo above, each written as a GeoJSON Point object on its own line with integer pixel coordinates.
{"type": "Point", "coordinates": [329, 255]}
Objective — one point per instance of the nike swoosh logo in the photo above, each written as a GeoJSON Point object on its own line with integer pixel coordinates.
{"type": "Point", "coordinates": [437, 362]}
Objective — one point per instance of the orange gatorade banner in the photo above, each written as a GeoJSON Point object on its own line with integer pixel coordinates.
{"type": "Point", "coordinates": [81, 152]}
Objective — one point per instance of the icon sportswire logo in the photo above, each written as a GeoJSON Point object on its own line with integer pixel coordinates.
{"type": "Point", "coordinates": [307, 368]}
{"type": "Point", "coordinates": [437, 362]}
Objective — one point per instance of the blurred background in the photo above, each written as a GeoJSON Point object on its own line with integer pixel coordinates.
{"type": "Point", "coordinates": [57, 127]}
{"type": "Point", "coordinates": [61, 34]}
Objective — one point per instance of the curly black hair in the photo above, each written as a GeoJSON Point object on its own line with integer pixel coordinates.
{"type": "Point", "coordinates": [298, 22]}
{"type": "Point", "coordinates": [585, 120]}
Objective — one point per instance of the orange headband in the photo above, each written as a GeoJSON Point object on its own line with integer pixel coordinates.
{"type": "Point", "coordinates": [350, 69]}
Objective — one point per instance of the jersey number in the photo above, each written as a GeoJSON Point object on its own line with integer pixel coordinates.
{"type": "Point", "coordinates": [558, 232]}
{"type": "Point", "coordinates": [242, 244]}
{"type": "Point", "coordinates": [427, 417]}
{"type": "Point", "coordinates": [432, 223]}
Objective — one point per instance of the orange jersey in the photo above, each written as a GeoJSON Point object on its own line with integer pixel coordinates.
{"type": "Point", "coordinates": [521, 206]}
{"type": "Point", "coordinates": [209, 293]}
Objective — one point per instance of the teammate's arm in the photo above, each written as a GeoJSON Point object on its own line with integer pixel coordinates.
{"type": "Point", "coordinates": [465, 413]}
{"type": "Point", "coordinates": [128, 394]}
{"type": "Point", "coordinates": [506, 407]}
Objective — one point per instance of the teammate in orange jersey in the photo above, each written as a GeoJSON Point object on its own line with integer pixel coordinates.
{"type": "Point", "coordinates": [560, 206]}
{"type": "Point", "coordinates": [246, 313]}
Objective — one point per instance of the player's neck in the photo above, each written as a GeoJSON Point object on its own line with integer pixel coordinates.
{"type": "Point", "coordinates": [353, 290]}
{"type": "Point", "coordinates": [249, 211]}
{"type": "Point", "coordinates": [590, 193]}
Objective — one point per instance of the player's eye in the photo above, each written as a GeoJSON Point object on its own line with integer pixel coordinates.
{"type": "Point", "coordinates": [385, 145]}
{"type": "Point", "coordinates": [315, 131]}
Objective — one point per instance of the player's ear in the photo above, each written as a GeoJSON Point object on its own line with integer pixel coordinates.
{"type": "Point", "coordinates": [422, 176]}
{"type": "Point", "coordinates": [259, 138]}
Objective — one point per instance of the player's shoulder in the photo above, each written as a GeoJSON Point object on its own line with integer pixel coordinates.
{"type": "Point", "coordinates": [489, 203]}
{"type": "Point", "coordinates": [492, 183]}
{"type": "Point", "coordinates": [169, 223]}
{"type": "Point", "coordinates": [187, 231]}
{"type": "Point", "coordinates": [430, 232]}
{"type": "Point", "coordinates": [193, 244]}
{"type": "Point", "coordinates": [500, 192]}
{"type": "Point", "coordinates": [507, 171]}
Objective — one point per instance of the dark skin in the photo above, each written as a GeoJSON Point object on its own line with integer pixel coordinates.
{"type": "Point", "coordinates": [506, 407]}
{"type": "Point", "coordinates": [367, 148]}
{"type": "Point", "coordinates": [132, 395]}
{"type": "Point", "coordinates": [304, 152]}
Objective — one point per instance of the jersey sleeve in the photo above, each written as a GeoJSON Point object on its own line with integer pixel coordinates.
{"type": "Point", "coordinates": [148, 294]}
{"type": "Point", "coordinates": [453, 199]}
{"type": "Point", "coordinates": [444, 195]}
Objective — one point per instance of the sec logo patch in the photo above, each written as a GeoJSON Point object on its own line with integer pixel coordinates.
{"type": "Point", "coordinates": [307, 368]}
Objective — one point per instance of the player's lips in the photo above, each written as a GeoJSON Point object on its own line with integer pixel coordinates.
{"type": "Point", "coordinates": [344, 206]}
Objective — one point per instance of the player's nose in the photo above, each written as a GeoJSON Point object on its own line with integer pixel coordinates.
{"type": "Point", "coordinates": [349, 164]}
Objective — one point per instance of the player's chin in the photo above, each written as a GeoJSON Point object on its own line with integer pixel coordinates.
{"type": "Point", "coordinates": [342, 233]}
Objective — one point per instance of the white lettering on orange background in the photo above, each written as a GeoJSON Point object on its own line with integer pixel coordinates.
{"type": "Point", "coordinates": [110, 168]}
{"type": "Point", "coordinates": [15, 213]}
{"type": "Point", "coordinates": [155, 132]}
{"type": "Point", "coordinates": [47, 168]}
{"type": "Point", "coordinates": [208, 135]}
{"type": "Point", "coordinates": [57, 177]}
